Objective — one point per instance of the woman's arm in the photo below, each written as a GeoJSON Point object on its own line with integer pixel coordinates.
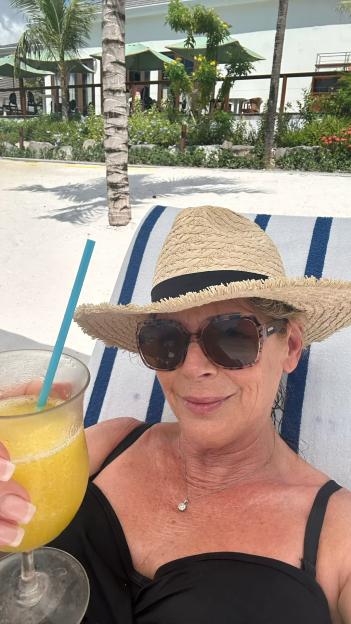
{"type": "Point", "coordinates": [103, 437]}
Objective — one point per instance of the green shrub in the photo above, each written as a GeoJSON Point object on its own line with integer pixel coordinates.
{"type": "Point", "coordinates": [292, 135]}
{"type": "Point", "coordinates": [153, 126]}
{"type": "Point", "coordinates": [9, 131]}
{"type": "Point", "coordinates": [316, 160]}
{"type": "Point", "coordinates": [192, 157]}
{"type": "Point", "coordinates": [217, 127]}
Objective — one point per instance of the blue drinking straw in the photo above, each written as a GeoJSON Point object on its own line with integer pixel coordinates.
{"type": "Point", "coordinates": [66, 322]}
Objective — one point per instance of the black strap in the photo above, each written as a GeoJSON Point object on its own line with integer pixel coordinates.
{"type": "Point", "coordinates": [123, 445]}
{"type": "Point", "coordinates": [314, 526]}
{"type": "Point", "coordinates": [194, 282]}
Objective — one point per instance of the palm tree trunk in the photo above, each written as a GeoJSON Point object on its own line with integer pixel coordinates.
{"type": "Point", "coordinates": [115, 111]}
{"type": "Point", "coordinates": [274, 87]}
{"type": "Point", "coordinates": [64, 90]}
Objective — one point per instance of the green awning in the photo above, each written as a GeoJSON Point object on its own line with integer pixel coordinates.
{"type": "Point", "coordinates": [7, 64]}
{"type": "Point", "coordinates": [46, 62]}
{"type": "Point", "coordinates": [226, 50]}
{"type": "Point", "coordinates": [140, 57]}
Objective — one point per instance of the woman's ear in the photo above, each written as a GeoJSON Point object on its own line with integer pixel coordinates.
{"type": "Point", "coordinates": [294, 337]}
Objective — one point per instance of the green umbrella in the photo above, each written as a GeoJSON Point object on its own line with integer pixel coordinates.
{"type": "Point", "coordinates": [140, 57]}
{"type": "Point", "coordinates": [46, 62]}
{"type": "Point", "coordinates": [7, 68]}
{"type": "Point", "coordinates": [226, 50]}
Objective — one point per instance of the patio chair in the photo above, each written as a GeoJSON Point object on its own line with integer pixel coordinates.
{"type": "Point", "coordinates": [13, 108]}
{"type": "Point", "coordinates": [317, 415]}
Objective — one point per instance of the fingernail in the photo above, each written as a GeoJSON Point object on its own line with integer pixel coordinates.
{"type": "Point", "coordinates": [16, 508]}
{"type": "Point", "coordinates": [7, 469]}
{"type": "Point", "coordinates": [10, 535]}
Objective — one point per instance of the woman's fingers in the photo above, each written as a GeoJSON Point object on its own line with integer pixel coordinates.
{"type": "Point", "coordinates": [10, 534]}
{"type": "Point", "coordinates": [7, 468]}
{"type": "Point", "coordinates": [15, 510]}
{"type": "Point", "coordinates": [60, 390]}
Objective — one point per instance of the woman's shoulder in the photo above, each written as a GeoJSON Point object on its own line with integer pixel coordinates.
{"type": "Point", "coordinates": [103, 437]}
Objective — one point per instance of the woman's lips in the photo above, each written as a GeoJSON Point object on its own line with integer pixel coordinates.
{"type": "Point", "coordinates": [203, 405]}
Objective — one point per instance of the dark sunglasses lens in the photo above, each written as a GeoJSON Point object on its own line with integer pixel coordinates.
{"type": "Point", "coordinates": [162, 345]}
{"type": "Point", "coordinates": [231, 343]}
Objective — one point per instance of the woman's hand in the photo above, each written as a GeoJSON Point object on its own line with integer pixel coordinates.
{"type": "Point", "coordinates": [15, 506]}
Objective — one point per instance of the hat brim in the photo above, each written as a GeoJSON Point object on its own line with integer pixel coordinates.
{"type": "Point", "coordinates": [325, 302]}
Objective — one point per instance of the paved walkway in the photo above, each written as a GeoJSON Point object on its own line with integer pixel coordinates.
{"type": "Point", "coordinates": [48, 210]}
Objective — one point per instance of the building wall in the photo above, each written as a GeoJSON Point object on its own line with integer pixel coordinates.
{"type": "Point", "coordinates": [313, 26]}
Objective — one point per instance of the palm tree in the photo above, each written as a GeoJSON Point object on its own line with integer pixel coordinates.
{"type": "Point", "coordinates": [274, 87]}
{"type": "Point", "coordinates": [59, 27]}
{"type": "Point", "coordinates": [115, 111]}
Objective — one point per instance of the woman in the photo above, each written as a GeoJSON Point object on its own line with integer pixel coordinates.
{"type": "Point", "coordinates": [214, 517]}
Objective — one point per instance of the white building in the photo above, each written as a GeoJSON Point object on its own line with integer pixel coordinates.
{"type": "Point", "coordinates": [313, 27]}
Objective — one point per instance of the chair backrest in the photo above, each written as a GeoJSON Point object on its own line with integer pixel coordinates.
{"type": "Point", "coordinates": [317, 413]}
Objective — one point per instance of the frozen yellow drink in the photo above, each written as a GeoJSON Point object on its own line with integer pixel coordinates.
{"type": "Point", "coordinates": [49, 451]}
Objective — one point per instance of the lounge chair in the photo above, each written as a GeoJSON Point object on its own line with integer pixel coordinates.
{"type": "Point", "coordinates": [317, 415]}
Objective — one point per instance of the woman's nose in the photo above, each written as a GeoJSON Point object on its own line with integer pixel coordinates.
{"type": "Point", "coordinates": [196, 363]}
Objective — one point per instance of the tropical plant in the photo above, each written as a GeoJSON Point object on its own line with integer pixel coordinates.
{"type": "Point", "coordinates": [58, 27]}
{"type": "Point", "coordinates": [274, 86]}
{"type": "Point", "coordinates": [200, 20]}
{"type": "Point", "coordinates": [180, 82]}
{"type": "Point", "coordinates": [337, 102]}
{"type": "Point", "coordinates": [234, 67]}
{"type": "Point", "coordinates": [205, 76]}
{"type": "Point", "coordinates": [115, 111]}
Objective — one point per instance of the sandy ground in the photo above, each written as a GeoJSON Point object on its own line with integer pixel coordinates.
{"type": "Point", "coordinates": [48, 209]}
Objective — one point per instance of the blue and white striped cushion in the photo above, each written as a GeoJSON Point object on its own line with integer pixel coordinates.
{"type": "Point", "coordinates": [317, 416]}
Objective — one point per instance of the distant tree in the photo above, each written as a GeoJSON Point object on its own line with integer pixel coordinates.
{"type": "Point", "coordinates": [58, 27]}
{"type": "Point", "coordinates": [115, 111]}
{"type": "Point", "coordinates": [200, 20]}
{"type": "Point", "coordinates": [274, 86]}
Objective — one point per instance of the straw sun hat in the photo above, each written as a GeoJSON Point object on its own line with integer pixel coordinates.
{"type": "Point", "coordinates": [213, 254]}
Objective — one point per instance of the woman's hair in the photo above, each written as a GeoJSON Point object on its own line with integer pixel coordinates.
{"type": "Point", "coordinates": [277, 310]}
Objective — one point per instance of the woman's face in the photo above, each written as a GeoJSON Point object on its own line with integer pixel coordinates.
{"type": "Point", "coordinates": [208, 399]}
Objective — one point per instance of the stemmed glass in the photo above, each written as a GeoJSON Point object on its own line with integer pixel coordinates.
{"type": "Point", "coordinates": [49, 451]}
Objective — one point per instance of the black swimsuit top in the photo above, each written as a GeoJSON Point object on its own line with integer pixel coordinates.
{"type": "Point", "coordinates": [216, 587]}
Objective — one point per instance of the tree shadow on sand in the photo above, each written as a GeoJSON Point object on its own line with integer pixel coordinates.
{"type": "Point", "coordinates": [88, 200]}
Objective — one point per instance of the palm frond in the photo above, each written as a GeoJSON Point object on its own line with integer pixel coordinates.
{"type": "Point", "coordinates": [77, 23]}
{"type": "Point", "coordinates": [60, 27]}
{"type": "Point", "coordinates": [28, 45]}
{"type": "Point", "coordinates": [30, 7]}
{"type": "Point", "coordinates": [52, 13]}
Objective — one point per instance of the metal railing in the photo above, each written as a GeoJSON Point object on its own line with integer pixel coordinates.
{"type": "Point", "coordinates": [333, 60]}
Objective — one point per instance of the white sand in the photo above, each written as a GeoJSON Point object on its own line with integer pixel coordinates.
{"type": "Point", "coordinates": [48, 210]}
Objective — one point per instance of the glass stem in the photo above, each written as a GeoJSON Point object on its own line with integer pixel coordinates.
{"type": "Point", "coordinates": [29, 589]}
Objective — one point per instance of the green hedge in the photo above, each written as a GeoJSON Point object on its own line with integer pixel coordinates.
{"type": "Point", "coordinates": [318, 160]}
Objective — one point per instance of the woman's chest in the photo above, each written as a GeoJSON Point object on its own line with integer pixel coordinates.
{"type": "Point", "coordinates": [268, 525]}
{"type": "Point", "coordinates": [265, 521]}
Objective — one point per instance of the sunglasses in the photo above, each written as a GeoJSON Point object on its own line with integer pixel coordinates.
{"type": "Point", "coordinates": [228, 340]}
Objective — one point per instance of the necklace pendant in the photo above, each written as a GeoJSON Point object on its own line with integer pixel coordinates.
{"type": "Point", "coordinates": [183, 505]}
